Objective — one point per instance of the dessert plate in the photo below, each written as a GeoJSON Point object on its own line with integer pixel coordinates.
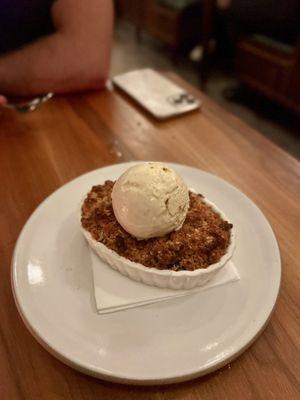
{"type": "Point", "coordinates": [162, 343]}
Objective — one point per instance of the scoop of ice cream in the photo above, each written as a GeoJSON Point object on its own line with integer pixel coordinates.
{"type": "Point", "coordinates": [150, 200]}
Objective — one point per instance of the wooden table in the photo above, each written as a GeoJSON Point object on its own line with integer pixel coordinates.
{"type": "Point", "coordinates": [71, 135]}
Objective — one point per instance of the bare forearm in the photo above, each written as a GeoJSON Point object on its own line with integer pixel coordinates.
{"type": "Point", "coordinates": [75, 57]}
{"type": "Point", "coordinates": [49, 65]}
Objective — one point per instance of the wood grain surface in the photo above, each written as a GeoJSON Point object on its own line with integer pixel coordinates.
{"type": "Point", "coordinates": [70, 135]}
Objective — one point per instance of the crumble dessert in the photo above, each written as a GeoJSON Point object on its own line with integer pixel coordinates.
{"type": "Point", "coordinates": [202, 240]}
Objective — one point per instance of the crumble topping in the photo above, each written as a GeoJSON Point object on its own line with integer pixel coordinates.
{"type": "Point", "coordinates": [201, 241]}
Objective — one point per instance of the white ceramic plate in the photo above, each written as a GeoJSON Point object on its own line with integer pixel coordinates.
{"type": "Point", "coordinates": [167, 342]}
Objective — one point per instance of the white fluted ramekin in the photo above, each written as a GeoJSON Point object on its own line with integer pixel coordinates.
{"type": "Point", "coordinates": [162, 278]}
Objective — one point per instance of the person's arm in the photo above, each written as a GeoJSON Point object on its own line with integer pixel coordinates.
{"type": "Point", "coordinates": [75, 57]}
{"type": "Point", "coordinates": [2, 100]}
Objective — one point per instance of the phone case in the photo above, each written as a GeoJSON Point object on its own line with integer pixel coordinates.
{"type": "Point", "coordinates": [157, 94]}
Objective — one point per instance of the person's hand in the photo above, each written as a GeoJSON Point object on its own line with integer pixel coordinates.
{"type": "Point", "coordinates": [3, 100]}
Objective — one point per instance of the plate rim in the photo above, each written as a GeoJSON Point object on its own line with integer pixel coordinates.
{"type": "Point", "coordinates": [108, 375]}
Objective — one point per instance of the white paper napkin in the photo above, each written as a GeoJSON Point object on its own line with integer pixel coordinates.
{"type": "Point", "coordinates": [115, 292]}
